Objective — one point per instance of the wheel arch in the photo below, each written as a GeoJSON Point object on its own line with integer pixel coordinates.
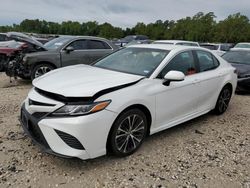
{"type": "Point", "coordinates": [43, 62]}
{"type": "Point", "coordinates": [141, 107]}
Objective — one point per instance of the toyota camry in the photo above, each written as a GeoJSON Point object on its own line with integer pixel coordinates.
{"type": "Point", "coordinates": [86, 111]}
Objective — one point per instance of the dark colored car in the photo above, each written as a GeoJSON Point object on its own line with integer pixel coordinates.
{"type": "Point", "coordinates": [240, 59]}
{"type": "Point", "coordinates": [65, 51]}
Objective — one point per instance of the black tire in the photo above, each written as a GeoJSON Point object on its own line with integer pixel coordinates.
{"type": "Point", "coordinates": [223, 100]}
{"type": "Point", "coordinates": [128, 133]}
{"type": "Point", "coordinates": [40, 70]}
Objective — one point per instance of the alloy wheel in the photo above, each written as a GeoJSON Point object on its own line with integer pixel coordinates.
{"type": "Point", "coordinates": [224, 100]}
{"type": "Point", "coordinates": [130, 133]}
{"type": "Point", "coordinates": [42, 70]}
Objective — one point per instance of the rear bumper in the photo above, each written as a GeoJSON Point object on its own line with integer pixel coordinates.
{"type": "Point", "coordinates": [243, 85]}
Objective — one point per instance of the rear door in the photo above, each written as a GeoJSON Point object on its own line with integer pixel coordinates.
{"type": "Point", "coordinates": [209, 80]}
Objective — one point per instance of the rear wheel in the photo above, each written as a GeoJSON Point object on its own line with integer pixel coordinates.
{"type": "Point", "coordinates": [223, 100]}
{"type": "Point", "coordinates": [40, 70]}
{"type": "Point", "coordinates": [128, 132]}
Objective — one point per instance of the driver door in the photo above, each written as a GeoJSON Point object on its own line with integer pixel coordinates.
{"type": "Point", "coordinates": [176, 102]}
{"type": "Point", "coordinates": [79, 55]}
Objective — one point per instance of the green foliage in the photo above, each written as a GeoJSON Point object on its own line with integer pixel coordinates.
{"type": "Point", "coordinates": [201, 27]}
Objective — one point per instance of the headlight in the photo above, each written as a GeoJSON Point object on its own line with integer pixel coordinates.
{"type": "Point", "coordinates": [83, 109]}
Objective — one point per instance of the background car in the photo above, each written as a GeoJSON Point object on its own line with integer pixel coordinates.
{"type": "Point", "coordinates": [177, 42]}
{"type": "Point", "coordinates": [3, 37]}
{"type": "Point", "coordinates": [240, 59]}
{"type": "Point", "coordinates": [111, 106]}
{"type": "Point", "coordinates": [219, 49]}
{"type": "Point", "coordinates": [66, 51]}
{"type": "Point", "coordinates": [242, 45]}
{"type": "Point", "coordinates": [124, 41]}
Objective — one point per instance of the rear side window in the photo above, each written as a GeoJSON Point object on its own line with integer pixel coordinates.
{"type": "Point", "coordinates": [79, 45]}
{"type": "Point", "coordinates": [95, 44]}
{"type": "Point", "coordinates": [183, 62]}
{"type": "Point", "coordinates": [206, 61]}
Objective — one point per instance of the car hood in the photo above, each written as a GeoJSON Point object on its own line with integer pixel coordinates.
{"type": "Point", "coordinates": [243, 70]}
{"type": "Point", "coordinates": [82, 80]}
{"type": "Point", "coordinates": [25, 38]}
{"type": "Point", "coordinates": [42, 53]}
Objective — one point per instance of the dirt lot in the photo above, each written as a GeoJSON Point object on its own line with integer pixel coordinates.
{"type": "Point", "coordinates": [210, 151]}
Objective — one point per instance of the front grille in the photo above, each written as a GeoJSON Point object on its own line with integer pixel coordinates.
{"type": "Point", "coordinates": [39, 115]}
{"type": "Point", "coordinates": [70, 140]}
{"type": "Point", "coordinates": [31, 127]}
{"type": "Point", "coordinates": [37, 134]}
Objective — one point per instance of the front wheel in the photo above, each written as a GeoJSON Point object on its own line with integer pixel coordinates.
{"type": "Point", "coordinates": [223, 100]}
{"type": "Point", "coordinates": [40, 70]}
{"type": "Point", "coordinates": [128, 132]}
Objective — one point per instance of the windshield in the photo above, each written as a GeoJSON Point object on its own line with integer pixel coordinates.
{"type": "Point", "coordinates": [242, 45]}
{"type": "Point", "coordinates": [56, 43]}
{"type": "Point", "coordinates": [139, 61]}
{"type": "Point", "coordinates": [241, 57]}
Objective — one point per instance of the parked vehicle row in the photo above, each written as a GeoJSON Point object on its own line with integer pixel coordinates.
{"type": "Point", "coordinates": [18, 57]}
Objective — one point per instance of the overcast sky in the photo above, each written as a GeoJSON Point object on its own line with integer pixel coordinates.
{"type": "Point", "coordinates": [123, 13]}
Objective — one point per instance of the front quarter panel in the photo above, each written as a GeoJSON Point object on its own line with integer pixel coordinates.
{"type": "Point", "coordinates": [141, 93]}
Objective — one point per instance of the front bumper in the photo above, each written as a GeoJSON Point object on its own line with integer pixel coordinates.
{"type": "Point", "coordinates": [30, 126]}
{"type": "Point", "coordinates": [84, 137]}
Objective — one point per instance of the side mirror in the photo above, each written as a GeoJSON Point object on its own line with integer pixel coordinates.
{"type": "Point", "coordinates": [173, 76]}
{"type": "Point", "coordinates": [69, 49]}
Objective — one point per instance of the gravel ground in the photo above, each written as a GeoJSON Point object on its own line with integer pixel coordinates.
{"type": "Point", "coordinates": [210, 151]}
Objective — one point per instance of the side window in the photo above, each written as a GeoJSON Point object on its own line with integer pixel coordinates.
{"type": "Point", "coordinates": [95, 44]}
{"type": "Point", "coordinates": [79, 45]}
{"type": "Point", "coordinates": [183, 62]}
{"type": "Point", "coordinates": [206, 61]}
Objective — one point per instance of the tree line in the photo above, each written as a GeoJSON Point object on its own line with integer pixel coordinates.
{"type": "Point", "coordinates": [201, 27]}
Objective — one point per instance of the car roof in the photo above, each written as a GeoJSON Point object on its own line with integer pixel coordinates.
{"type": "Point", "coordinates": [168, 47]}
{"type": "Point", "coordinates": [175, 41]}
{"type": "Point", "coordinates": [240, 49]}
{"type": "Point", "coordinates": [81, 37]}
{"type": "Point", "coordinates": [243, 43]}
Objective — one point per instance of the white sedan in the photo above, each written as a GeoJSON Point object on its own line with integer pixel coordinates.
{"type": "Point", "coordinates": [86, 111]}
